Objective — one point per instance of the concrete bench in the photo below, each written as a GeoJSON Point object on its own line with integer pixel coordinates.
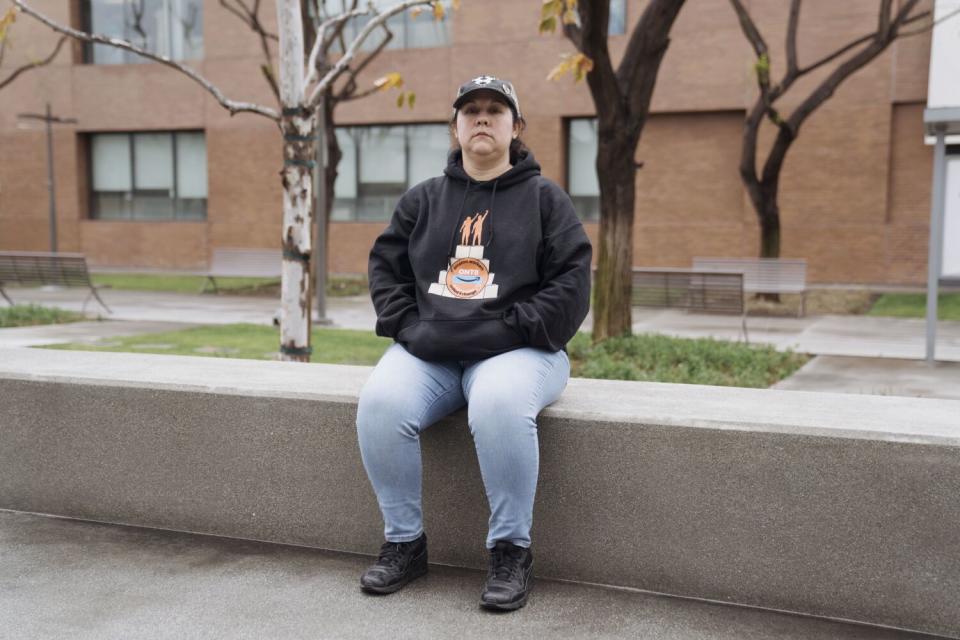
{"type": "Point", "coordinates": [763, 275]}
{"type": "Point", "coordinates": [249, 263]}
{"type": "Point", "coordinates": [45, 268]}
{"type": "Point", "coordinates": [837, 506]}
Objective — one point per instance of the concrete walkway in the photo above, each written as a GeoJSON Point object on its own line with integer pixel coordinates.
{"type": "Point", "coordinates": [88, 581]}
{"type": "Point", "coordinates": [856, 354]}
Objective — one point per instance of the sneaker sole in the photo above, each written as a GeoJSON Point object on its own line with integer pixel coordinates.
{"type": "Point", "coordinates": [418, 570]}
{"type": "Point", "coordinates": [510, 606]}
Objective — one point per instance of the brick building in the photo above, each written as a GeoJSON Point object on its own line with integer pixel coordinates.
{"type": "Point", "coordinates": [156, 174]}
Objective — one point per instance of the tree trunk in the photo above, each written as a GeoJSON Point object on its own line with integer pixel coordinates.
{"type": "Point", "coordinates": [299, 151]}
{"type": "Point", "coordinates": [617, 174]}
{"type": "Point", "coordinates": [298, 126]}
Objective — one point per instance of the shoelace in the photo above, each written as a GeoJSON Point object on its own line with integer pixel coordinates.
{"type": "Point", "coordinates": [391, 554]}
{"type": "Point", "coordinates": [507, 566]}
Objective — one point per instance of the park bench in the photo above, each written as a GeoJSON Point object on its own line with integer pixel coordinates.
{"type": "Point", "coordinates": [32, 268]}
{"type": "Point", "coordinates": [249, 263]}
{"type": "Point", "coordinates": [763, 275]}
{"type": "Point", "coordinates": [692, 290]}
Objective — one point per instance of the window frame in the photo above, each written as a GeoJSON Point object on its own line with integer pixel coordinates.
{"type": "Point", "coordinates": [85, 16]}
{"type": "Point", "coordinates": [93, 209]}
{"type": "Point", "coordinates": [406, 165]}
{"type": "Point", "coordinates": [568, 121]}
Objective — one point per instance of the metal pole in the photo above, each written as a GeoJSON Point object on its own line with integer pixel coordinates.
{"type": "Point", "coordinates": [50, 182]}
{"type": "Point", "coordinates": [320, 236]}
{"type": "Point", "coordinates": [935, 252]}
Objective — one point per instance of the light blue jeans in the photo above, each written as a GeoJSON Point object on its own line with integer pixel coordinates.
{"type": "Point", "coordinates": [404, 395]}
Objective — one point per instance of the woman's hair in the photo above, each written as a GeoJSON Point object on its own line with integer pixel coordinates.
{"type": "Point", "coordinates": [517, 145]}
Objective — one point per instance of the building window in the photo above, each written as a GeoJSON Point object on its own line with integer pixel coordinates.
{"type": "Point", "coordinates": [582, 181]}
{"type": "Point", "coordinates": [380, 163]}
{"type": "Point", "coordinates": [149, 176]}
{"type": "Point", "coordinates": [411, 29]}
{"type": "Point", "coordinates": [617, 24]}
{"type": "Point", "coordinates": [618, 18]}
{"type": "Point", "coordinates": [172, 28]}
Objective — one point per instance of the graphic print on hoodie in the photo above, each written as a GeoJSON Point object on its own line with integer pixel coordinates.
{"type": "Point", "coordinates": [467, 270]}
{"type": "Point", "coordinates": [468, 275]}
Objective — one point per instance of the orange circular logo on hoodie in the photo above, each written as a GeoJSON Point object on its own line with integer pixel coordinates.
{"type": "Point", "coordinates": [467, 277]}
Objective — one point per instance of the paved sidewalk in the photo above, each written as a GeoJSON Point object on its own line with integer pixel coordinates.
{"type": "Point", "coordinates": [88, 581]}
{"type": "Point", "coordinates": [857, 336]}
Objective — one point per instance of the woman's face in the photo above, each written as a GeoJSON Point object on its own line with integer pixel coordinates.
{"type": "Point", "coordinates": [485, 126]}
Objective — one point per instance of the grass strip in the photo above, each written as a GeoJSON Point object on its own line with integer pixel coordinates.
{"type": "Point", "coordinates": [30, 315]}
{"type": "Point", "coordinates": [656, 358]}
{"type": "Point", "coordinates": [914, 305]}
{"type": "Point", "coordinates": [248, 341]}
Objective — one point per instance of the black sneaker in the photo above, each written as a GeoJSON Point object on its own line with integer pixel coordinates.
{"type": "Point", "coordinates": [398, 564]}
{"type": "Point", "coordinates": [509, 578]}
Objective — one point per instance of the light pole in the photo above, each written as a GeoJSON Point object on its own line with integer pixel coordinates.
{"type": "Point", "coordinates": [49, 119]}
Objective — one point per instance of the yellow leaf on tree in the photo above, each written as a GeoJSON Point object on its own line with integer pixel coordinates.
{"type": "Point", "coordinates": [577, 63]}
{"type": "Point", "coordinates": [7, 20]}
{"type": "Point", "coordinates": [389, 81]}
{"type": "Point", "coordinates": [411, 98]}
{"type": "Point", "coordinates": [569, 17]}
{"type": "Point", "coordinates": [400, 100]}
{"type": "Point", "coordinates": [548, 24]}
{"type": "Point", "coordinates": [438, 10]}
{"type": "Point", "coordinates": [416, 11]}
{"type": "Point", "coordinates": [550, 8]}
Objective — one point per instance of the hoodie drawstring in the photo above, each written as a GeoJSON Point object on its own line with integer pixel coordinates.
{"type": "Point", "coordinates": [459, 219]}
{"type": "Point", "coordinates": [456, 225]}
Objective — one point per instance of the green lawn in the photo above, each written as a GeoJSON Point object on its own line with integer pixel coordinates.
{"type": "Point", "coordinates": [254, 342]}
{"type": "Point", "coordinates": [28, 315]}
{"type": "Point", "coordinates": [646, 357]}
{"type": "Point", "coordinates": [914, 305]}
{"type": "Point", "coordinates": [183, 283]}
{"type": "Point", "coordinates": [656, 358]}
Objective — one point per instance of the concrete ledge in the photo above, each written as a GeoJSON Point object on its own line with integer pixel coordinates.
{"type": "Point", "coordinates": [833, 505]}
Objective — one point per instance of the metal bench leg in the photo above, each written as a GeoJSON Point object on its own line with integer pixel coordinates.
{"type": "Point", "coordinates": [93, 293]}
{"type": "Point", "coordinates": [5, 296]}
{"type": "Point", "coordinates": [803, 304]}
{"type": "Point", "coordinates": [743, 326]}
{"type": "Point", "coordinates": [211, 280]}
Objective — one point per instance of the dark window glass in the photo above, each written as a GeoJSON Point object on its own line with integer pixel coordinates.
{"type": "Point", "coordinates": [380, 163]}
{"type": "Point", "coordinates": [173, 28]}
{"type": "Point", "coordinates": [412, 29]}
{"type": "Point", "coordinates": [149, 176]}
{"type": "Point", "coordinates": [582, 183]}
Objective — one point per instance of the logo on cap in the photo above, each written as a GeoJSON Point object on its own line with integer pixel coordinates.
{"type": "Point", "coordinates": [483, 80]}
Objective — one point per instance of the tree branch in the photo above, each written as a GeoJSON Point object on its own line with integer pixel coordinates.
{"type": "Point", "coordinates": [350, 88]}
{"type": "Point", "coordinates": [861, 40]}
{"type": "Point", "coordinates": [351, 52]}
{"type": "Point", "coordinates": [232, 106]}
{"type": "Point", "coordinates": [32, 65]}
{"type": "Point", "coordinates": [320, 44]}
{"type": "Point", "coordinates": [750, 29]}
{"type": "Point", "coordinates": [648, 43]}
{"type": "Point", "coordinates": [251, 17]}
{"type": "Point", "coordinates": [792, 37]}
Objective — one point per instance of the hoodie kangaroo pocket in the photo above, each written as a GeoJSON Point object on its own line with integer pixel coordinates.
{"type": "Point", "coordinates": [459, 339]}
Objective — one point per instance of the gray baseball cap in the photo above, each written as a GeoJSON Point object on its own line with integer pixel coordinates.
{"type": "Point", "coordinates": [503, 87]}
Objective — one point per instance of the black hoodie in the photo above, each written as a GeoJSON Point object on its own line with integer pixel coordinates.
{"type": "Point", "coordinates": [467, 270]}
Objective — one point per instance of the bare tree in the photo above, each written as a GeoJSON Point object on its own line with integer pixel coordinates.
{"type": "Point", "coordinates": [763, 187]}
{"type": "Point", "coordinates": [300, 87]}
{"type": "Point", "coordinates": [621, 98]}
{"type": "Point", "coordinates": [6, 21]}
{"type": "Point", "coordinates": [346, 88]}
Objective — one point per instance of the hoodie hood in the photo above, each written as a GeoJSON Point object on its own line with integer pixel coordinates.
{"type": "Point", "coordinates": [525, 168]}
